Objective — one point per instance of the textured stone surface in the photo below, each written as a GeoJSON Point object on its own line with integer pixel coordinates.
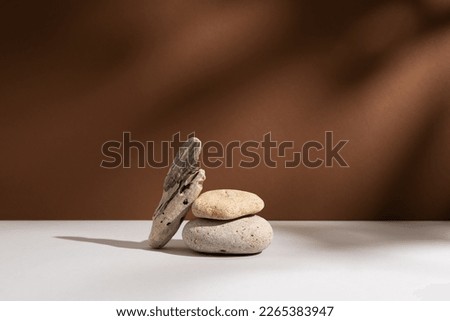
{"type": "Point", "coordinates": [226, 204]}
{"type": "Point", "coordinates": [246, 235]}
{"type": "Point", "coordinates": [182, 185]}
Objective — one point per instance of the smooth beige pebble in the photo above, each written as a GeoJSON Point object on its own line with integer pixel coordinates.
{"type": "Point", "coordinates": [226, 204]}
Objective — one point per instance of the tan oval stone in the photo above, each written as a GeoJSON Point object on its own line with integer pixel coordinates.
{"type": "Point", "coordinates": [246, 235]}
{"type": "Point", "coordinates": [226, 204]}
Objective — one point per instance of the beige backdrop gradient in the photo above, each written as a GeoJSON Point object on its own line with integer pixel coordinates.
{"type": "Point", "coordinates": [74, 74]}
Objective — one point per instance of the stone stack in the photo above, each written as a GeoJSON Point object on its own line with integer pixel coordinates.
{"type": "Point", "coordinates": [227, 223]}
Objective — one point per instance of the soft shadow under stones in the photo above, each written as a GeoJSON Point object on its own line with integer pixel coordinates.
{"type": "Point", "coordinates": [174, 247]}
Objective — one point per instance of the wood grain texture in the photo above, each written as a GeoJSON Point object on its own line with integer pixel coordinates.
{"type": "Point", "coordinates": [182, 185]}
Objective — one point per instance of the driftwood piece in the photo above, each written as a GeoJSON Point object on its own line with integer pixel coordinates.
{"type": "Point", "coordinates": [182, 185]}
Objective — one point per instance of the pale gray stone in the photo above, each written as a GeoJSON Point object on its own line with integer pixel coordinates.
{"type": "Point", "coordinates": [246, 235]}
{"type": "Point", "coordinates": [182, 185]}
{"type": "Point", "coordinates": [226, 204]}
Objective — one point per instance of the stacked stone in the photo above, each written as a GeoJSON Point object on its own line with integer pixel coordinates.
{"type": "Point", "coordinates": [227, 223]}
{"type": "Point", "coordinates": [182, 185]}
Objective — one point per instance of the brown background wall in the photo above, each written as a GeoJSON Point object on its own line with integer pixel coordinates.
{"type": "Point", "coordinates": [75, 74]}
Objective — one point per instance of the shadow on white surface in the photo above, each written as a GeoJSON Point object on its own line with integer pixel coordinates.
{"type": "Point", "coordinates": [344, 236]}
{"type": "Point", "coordinates": [174, 247]}
{"type": "Point", "coordinates": [308, 260]}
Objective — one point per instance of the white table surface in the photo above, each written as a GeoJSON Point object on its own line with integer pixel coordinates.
{"type": "Point", "coordinates": [109, 260]}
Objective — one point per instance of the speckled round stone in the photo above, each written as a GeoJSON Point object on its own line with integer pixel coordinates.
{"type": "Point", "coordinates": [226, 204]}
{"type": "Point", "coordinates": [246, 235]}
